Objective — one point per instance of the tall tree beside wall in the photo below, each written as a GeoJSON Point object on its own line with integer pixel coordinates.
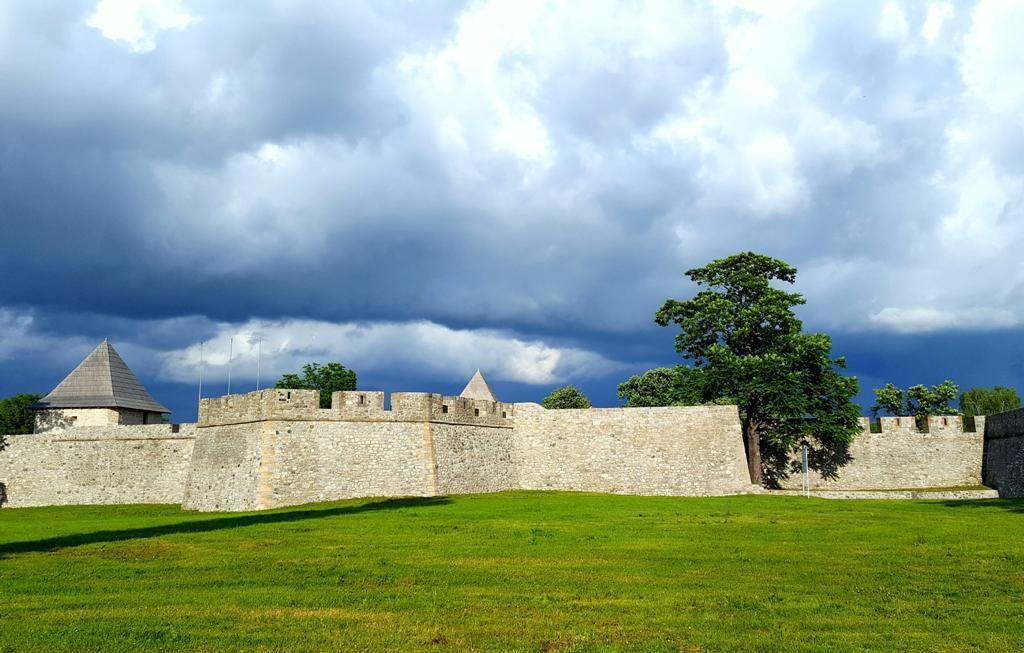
{"type": "Point", "coordinates": [15, 415]}
{"type": "Point", "coordinates": [332, 377]}
{"type": "Point", "coordinates": [988, 401]}
{"type": "Point", "coordinates": [745, 345]}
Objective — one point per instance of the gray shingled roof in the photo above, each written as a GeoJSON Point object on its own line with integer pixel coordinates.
{"type": "Point", "coordinates": [478, 388]}
{"type": "Point", "coordinates": [102, 380]}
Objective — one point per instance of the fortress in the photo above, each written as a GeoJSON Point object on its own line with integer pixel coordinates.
{"type": "Point", "coordinates": [98, 440]}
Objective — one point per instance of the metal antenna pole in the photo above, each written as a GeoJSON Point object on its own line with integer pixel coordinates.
{"type": "Point", "coordinates": [231, 353]}
{"type": "Point", "coordinates": [200, 371]}
{"type": "Point", "coordinates": [259, 356]}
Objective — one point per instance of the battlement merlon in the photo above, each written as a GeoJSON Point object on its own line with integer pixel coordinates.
{"type": "Point", "coordinates": [354, 406]}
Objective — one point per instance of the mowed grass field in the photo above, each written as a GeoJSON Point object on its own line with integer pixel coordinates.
{"type": "Point", "coordinates": [518, 571]}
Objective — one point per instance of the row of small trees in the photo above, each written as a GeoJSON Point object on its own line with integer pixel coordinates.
{"type": "Point", "coordinates": [921, 401]}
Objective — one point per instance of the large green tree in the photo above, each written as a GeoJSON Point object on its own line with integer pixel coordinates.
{"type": "Point", "coordinates": [15, 415]}
{"type": "Point", "coordinates": [746, 346]}
{"type": "Point", "coordinates": [332, 377]}
{"type": "Point", "coordinates": [988, 401]}
{"type": "Point", "coordinates": [566, 397]}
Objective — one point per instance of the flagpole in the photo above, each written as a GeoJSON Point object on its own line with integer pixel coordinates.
{"type": "Point", "coordinates": [259, 355]}
{"type": "Point", "coordinates": [231, 353]}
{"type": "Point", "coordinates": [200, 371]}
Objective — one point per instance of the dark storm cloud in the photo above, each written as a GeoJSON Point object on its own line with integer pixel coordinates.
{"type": "Point", "coordinates": [177, 171]}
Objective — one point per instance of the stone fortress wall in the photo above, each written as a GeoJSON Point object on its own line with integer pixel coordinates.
{"type": "Point", "coordinates": [678, 450]}
{"type": "Point", "coordinates": [279, 448]}
{"type": "Point", "coordinates": [1003, 463]}
{"type": "Point", "coordinates": [96, 465]}
{"type": "Point", "coordinates": [900, 456]}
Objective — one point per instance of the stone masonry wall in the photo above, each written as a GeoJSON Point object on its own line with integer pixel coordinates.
{"type": "Point", "coordinates": [65, 418]}
{"type": "Point", "coordinates": [97, 465]}
{"type": "Point", "coordinates": [278, 448]}
{"type": "Point", "coordinates": [305, 462]}
{"type": "Point", "coordinates": [224, 472]}
{"type": "Point", "coordinates": [901, 457]}
{"type": "Point", "coordinates": [686, 450]}
{"type": "Point", "coordinates": [471, 459]}
{"type": "Point", "coordinates": [1004, 453]}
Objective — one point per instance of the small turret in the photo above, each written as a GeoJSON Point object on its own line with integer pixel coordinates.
{"type": "Point", "coordinates": [478, 388]}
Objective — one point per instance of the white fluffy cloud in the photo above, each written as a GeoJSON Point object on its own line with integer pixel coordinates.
{"type": "Point", "coordinates": [924, 319]}
{"type": "Point", "coordinates": [136, 23]}
{"type": "Point", "coordinates": [421, 348]}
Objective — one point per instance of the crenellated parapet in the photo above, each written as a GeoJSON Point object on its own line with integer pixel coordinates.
{"type": "Point", "coordinates": [352, 406]}
{"type": "Point", "coordinates": [933, 425]}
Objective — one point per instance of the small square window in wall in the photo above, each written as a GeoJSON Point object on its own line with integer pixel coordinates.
{"type": "Point", "coordinates": [444, 408]}
{"type": "Point", "coordinates": [476, 411]}
{"type": "Point", "coordinates": [503, 414]}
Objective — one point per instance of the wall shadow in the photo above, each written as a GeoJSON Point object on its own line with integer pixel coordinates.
{"type": "Point", "coordinates": [208, 525]}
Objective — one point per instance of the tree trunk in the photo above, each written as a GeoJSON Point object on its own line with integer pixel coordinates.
{"type": "Point", "coordinates": [752, 445]}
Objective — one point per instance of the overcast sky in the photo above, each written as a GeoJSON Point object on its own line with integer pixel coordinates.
{"type": "Point", "coordinates": [420, 189]}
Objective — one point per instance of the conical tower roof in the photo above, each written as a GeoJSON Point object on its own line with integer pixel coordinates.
{"type": "Point", "coordinates": [478, 388]}
{"type": "Point", "coordinates": [102, 380]}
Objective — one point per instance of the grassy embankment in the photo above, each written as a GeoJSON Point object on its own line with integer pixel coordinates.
{"type": "Point", "coordinates": [518, 571]}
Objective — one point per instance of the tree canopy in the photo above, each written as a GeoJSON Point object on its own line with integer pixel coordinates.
{"type": "Point", "coordinates": [665, 386]}
{"type": "Point", "coordinates": [662, 386]}
{"type": "Point", "coordinates": [332, 377]}
{"type": "Point", "coordinates": [745, 346]}
{"type": "Point", "coordinates": [988, 401]}
{"type": "Point", "coordinates": [918, 400]}
{"type": "Point", "coordinates": [15, 415]}
{"type": "Point", "coordinates": [566, 397]}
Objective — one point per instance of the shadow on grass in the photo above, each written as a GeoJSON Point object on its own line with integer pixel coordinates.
{"type": "Point", "coordinates": [1011, 505]}
{"type": "Point", "coordinates": [207, 525]}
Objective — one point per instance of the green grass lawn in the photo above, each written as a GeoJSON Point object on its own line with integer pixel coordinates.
{"type": "Point", "coordinates": [518, 571]}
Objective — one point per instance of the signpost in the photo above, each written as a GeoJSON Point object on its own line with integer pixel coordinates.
{"type": "Point", "coordinates": [807, 478]}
